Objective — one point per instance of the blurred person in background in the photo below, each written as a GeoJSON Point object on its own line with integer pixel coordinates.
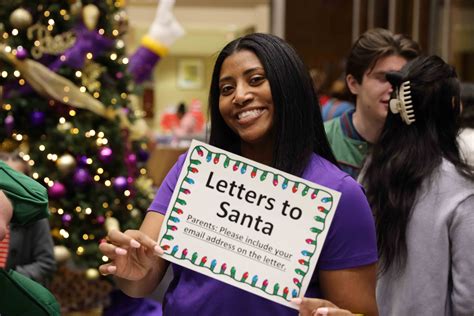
{"type": "Point", "coordinates": [332, 96]}
{"type": "Point", "coordinates": [422, 194]}
{"type": "Point", "coordinates": [22, 202]}
{"type": "Point", "coordinates": [466, 137]}
{"type": "Point", "coordinates": [30, 247]}
{"type": "Point", "coordinates": [374, 53]}
{"type": "Point", "coordinates": [337, 103]}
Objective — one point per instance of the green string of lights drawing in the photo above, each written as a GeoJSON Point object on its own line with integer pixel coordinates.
{"type": "Point", "coordinates": [221, 268]}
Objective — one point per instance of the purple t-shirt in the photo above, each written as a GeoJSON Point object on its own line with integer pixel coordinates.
{"type": "Point", "coordinates": [350, 243]}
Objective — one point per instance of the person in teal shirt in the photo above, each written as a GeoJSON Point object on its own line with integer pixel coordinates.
{"type": "Point", "coordinates": [374, 53]}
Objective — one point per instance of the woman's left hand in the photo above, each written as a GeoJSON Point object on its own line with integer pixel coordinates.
{"type": "Point", "coordinates": [318, 307]}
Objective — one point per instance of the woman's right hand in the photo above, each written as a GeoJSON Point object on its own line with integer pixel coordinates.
{"type": "Point", "coordinates": [318, 307]}
{"type": "Point", "coordinates": [132, 254]}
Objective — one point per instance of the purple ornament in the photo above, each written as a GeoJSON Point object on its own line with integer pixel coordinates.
{"type": "Point", "coordinates": [131, 159]}
{"type": "Point", "coordinates": [82, 161]}
{"type": "Point", "coordinates": [67, 218]}
{"type": "Point", "coordinates": [82, 177]}
{"type": "Point", "coordinates": [105, 155]}
{"type": "Point", "coordinates": [21, 53]}
{"type": "Point", "coordinates": [120, 184]}
{"type": "Point", "coordinates": [119, 75]}
{"type": "Point", "coordinates": [9, 124]}
{"type": "Point", "coordinates": [57, 191]}
{"type": "Point", "coordinates": [143, 155]}
{"type": "Point", "coordinates": [37, 118]}
{"type": "Point", "coordinates": [100, 219]}
{"type": "Point", "coordinates": [130, 180]}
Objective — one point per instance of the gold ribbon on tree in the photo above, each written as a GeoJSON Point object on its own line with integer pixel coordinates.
{"type": "Point", "coordinates": [51, 85]}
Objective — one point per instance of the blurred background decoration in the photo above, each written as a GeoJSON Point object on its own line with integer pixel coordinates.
{"type": "Point", "coordinates": [73, 111]}
{"type": "Point", "coordinates": [66, 110]}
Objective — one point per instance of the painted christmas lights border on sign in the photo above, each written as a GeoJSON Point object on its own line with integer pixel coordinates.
{"type": "Point", "coordinates": [201, 153]}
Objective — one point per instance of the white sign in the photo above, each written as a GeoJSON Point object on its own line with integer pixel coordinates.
{"type": "Point", "coordinates": [246, 224]}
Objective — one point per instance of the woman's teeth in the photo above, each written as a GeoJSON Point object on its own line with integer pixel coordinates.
{"type": "Point", "coordinates": [249, 114]}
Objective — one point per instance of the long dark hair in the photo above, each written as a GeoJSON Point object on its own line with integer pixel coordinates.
{"type": "Point", "coordinates": [406, 155]}
{"type": "Point", "coordinates": [298, 124]}
{"type": "Point", "coordinates": [467, 99]}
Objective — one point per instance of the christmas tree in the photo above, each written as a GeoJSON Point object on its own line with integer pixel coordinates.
{"type": "Point", "coordinates": [66, 110]}
{"type": "Point", "coordinates": [66, 83]}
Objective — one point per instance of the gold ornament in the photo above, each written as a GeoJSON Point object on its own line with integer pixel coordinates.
{"type": "Point", "coordinates": [90, 75]}
{"type": "Point", "coordinates": [20, 19]}
{"type": "Point", "coordinates": [92, 274]}
{"type": "Point", "coordinates": [90, 16]}
{"type": "Point", "coordinates": [66, 163]}
{"type": "Point", "coordinates": [135, 213]}
{"type": "Point", "coordinates": [24, 145]}
{"type": "Point", "coordinates": [8, 145]}
{"type": "Point", "coordinates": [76, 7]}
{"type": "Point", "coordinates": [111, 223]}
{"type": "Point", "coordinates": [120, 3]}
{"type": "Point", "coordinates": [48, 44]}
{"type": "Point", "coordinates": [64, 127]}
{"type": "Point", "coordinates": [61, 254]}
{"type": "Point", "coordinates": [145, 185]}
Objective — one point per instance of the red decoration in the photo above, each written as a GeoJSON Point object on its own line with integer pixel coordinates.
{"type": "Point", "coordinates": [295, 188]}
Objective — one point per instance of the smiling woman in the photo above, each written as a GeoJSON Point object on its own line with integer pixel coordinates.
{"type": "Point", "coordinates": [263, 106]}
{"type": "Point", "coordinates": [246, 103]}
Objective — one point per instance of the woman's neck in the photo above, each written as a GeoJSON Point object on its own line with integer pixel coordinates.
{"type": "Point", "coordinates": [262, 153]}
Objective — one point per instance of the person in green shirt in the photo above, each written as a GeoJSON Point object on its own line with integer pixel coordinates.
{"type": "Point", "coordinates": [374, 53]}
{"type": "Point", "coordinates": [22, 201]}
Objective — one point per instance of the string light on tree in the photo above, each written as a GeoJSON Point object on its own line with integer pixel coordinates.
{"type": "Point", "coordinates": [68, 148]}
